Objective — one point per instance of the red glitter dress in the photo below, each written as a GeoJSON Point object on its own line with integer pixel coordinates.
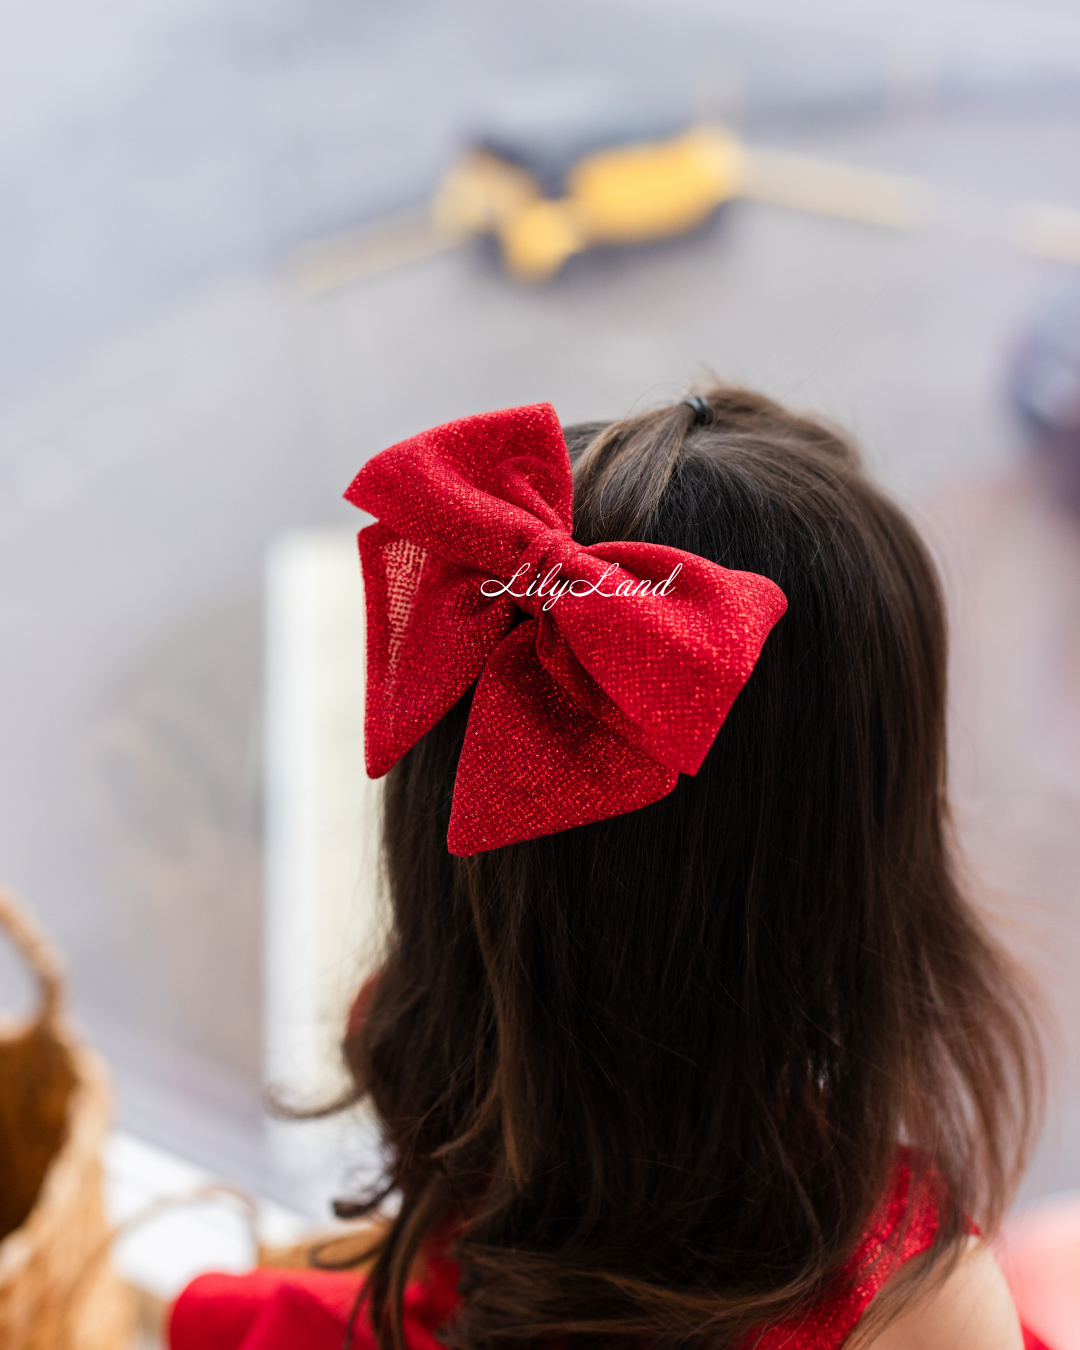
{"type": "Point", "coordinates": [311, 1309]}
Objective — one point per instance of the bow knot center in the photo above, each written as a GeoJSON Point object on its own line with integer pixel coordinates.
{"type": "Point", "coordinates": [542, 569]}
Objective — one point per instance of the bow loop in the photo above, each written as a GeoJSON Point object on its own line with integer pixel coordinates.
{"type": "Point", "coordinates": [474, 491]}
{"type": "Point", "coordinates": [619, 678]}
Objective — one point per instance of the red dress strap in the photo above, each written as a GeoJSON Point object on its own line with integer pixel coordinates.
{"type": "Point", "coordinates": [904, 1226]}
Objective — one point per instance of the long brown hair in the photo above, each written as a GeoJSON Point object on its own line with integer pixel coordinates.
{"type": "Point", "coordinates": [651, 1073]}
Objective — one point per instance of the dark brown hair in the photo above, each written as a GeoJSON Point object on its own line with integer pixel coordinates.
{"type": "Point", "coordinates": [652, 1072]}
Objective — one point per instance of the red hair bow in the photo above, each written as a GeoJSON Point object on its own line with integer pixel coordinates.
{"type": "Point", "coordinates": [613, 681]}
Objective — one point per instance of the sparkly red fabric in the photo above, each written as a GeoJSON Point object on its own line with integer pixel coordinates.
{"type": "Point", "coordinates": [310, 1309]}
{"type": "Point", "coordinates": [904, 1226]}
{"type": "Point", "coordinates": [589, 702]}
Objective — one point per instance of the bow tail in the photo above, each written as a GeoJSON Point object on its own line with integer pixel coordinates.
{"type": "Point", "coordinates": [535, 762]}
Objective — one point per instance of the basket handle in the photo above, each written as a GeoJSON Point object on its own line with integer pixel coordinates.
{"type": "Point", "coordinates": [212, 1190]}
{"type": "Point", "coordinates": [43, 959]}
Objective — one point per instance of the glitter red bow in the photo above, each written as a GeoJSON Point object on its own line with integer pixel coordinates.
{"type": "Point", "coordinates": [601, 672]}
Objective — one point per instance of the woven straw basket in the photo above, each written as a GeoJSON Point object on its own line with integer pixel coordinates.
{"type": "Point", "coordinates": [57, 1288]}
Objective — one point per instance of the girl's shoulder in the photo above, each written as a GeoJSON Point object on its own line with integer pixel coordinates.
{"type": "Point", "coordinates": [972, 1306]}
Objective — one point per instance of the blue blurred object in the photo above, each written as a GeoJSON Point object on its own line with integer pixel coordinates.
{"type": "Point", "coordinates": [1045, 389]}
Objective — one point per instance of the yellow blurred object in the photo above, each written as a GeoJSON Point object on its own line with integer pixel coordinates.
{"type": "Point", "coordinates": [480, 194]}
{"type": "Point", "coordinates": [540, 237]}
{"type": "Point", "coordinates": [797, 183]}
{"type": "Point", "coordinates": [639, 192]}
{"type": "Point", "coordinates": [620, 194]}
{"type": "Point", "coordinates": [617, 196]}
{"type": "Point", "coordinates": [1045, 231]}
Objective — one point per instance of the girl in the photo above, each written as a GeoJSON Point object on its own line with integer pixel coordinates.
{"type": "Point", "coordinates": [686, 1035]}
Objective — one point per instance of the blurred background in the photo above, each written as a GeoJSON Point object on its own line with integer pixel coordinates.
{"type": "Point", "coordinates": [190, 376]}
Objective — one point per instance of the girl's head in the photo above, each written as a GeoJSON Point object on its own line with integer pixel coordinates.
{"type": "Point", "coordinates": [655, 1069]}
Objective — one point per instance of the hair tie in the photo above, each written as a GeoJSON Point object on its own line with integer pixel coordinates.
{"type": "Point", "coordinates": [702, 411]}
{"type": "Point", "coordinates": [616, 679]}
